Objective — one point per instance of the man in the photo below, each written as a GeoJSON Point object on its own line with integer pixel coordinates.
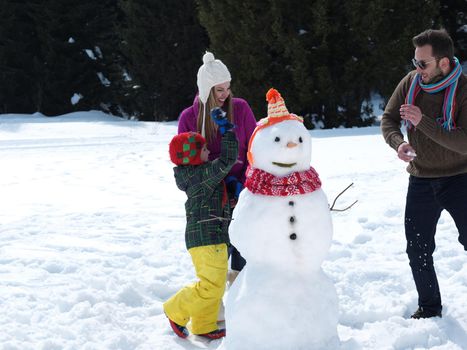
{"type": "Point", "coordinates": [432, 103]}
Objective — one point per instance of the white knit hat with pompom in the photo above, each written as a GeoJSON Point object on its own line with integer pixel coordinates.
{"type": "Point", "coordinates": [211, 73]}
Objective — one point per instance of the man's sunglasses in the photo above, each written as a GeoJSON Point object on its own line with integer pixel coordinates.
{"type": "Point", "coordinates": [421, 64]}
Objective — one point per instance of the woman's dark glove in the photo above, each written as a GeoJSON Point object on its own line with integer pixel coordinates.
{"type": "Point", "coordinates": [220, 118]}
{"type": "Point", "coordinates": [234, 187]}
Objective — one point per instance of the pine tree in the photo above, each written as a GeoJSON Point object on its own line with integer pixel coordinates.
{"type": "Point", "coordinates": [326, 57]}
{"type": "Point", "coordinates": [20, 62]}
{"type": "Point", "coordinates": [140, 57]}
{"type": "Point", "coordinates": [347, 51]}
{"type": "Point", "coordinates": [241, 35]}
{"type": "Point", "coordinates": [394, 26]}
{"type": "Point", "coordinates": [74, 74]}
{"type": "Point", "coordinates": [308, 51]}
{"type": "Point", "coordinates": [453, 17]}
{"type": "Point", "coordinates": [101, 35]}
{"type": "Point", "coordinates": [164, 43]}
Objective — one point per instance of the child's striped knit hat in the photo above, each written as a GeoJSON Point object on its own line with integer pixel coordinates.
{"type": "Point", "coordinates": [185, 148]}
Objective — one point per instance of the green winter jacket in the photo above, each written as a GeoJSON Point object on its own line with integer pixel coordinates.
{"type": "Point", "coordinates": [205, 190]}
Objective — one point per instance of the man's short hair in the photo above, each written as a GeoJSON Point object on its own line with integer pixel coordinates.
{"type": "Point", "coordinates": [440, 41]}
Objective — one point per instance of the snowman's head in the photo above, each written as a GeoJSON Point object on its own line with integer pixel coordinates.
{"type": "Point", "coordinates": [280, 144]}
{"type": "Point", "coordinates": [282, 148]}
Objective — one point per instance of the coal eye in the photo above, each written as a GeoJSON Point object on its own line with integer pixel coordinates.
{"type": "Point", "coordinates": [300, 139]}
{"type": "Point", "coordinates": [277, 139]}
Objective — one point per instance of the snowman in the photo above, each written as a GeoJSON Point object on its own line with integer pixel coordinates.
{"type": "Point", "coordinates": [282, 226]}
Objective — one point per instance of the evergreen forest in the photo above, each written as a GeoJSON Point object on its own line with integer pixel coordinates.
{"type": "Point", "coordinates": [138, 59]}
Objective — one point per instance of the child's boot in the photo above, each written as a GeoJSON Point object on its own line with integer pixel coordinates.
{"type": "Point", "coordinates": [218, 333]}
{"type": "Point", "coordinates": [181, 331]}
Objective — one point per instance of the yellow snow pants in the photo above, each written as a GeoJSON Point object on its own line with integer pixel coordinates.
{"type": "Point", "coordinates": [200, 301]}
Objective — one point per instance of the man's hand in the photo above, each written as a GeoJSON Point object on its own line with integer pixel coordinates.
{"type": "Point", "coordinates": [406, 152]}
{"type": "Point", "coordinates": [220, 118]}
{"type": "Point", "coordinates": [411, 113]}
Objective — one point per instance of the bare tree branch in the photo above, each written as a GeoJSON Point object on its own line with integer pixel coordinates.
{"type": "Point", "coordinates": [213, 218]}
{"type": "Point", "coordinates": [335, 199]}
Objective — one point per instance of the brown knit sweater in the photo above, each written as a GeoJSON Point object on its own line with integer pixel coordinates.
{"type": "Point", "coordinates": [439, 152]}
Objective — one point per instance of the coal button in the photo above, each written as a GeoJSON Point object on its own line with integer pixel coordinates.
{"type": "Point", "coordinates": [293, 236]}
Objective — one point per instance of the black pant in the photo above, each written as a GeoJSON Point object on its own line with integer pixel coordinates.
{"type": "Point", "coordinates": [237, 261]}
{"type": "Point", "coordinates": [426, 199]}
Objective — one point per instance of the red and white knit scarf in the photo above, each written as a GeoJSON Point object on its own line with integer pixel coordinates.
{"type": "Point", "coordinates": [261, 182]}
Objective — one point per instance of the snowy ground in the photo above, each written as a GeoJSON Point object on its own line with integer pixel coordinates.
{"type": "Point", "coordinates": [91, 239]}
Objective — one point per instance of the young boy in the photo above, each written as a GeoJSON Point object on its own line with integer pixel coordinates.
{"type": "Point", "coordinates": [206, 233]}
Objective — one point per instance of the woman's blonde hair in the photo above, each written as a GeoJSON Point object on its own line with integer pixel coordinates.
{"type": "Point", "coordinates": [210, 131]}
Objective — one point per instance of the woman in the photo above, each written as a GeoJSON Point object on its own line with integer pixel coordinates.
{"type": "Point", "coordinates": [214, 91]}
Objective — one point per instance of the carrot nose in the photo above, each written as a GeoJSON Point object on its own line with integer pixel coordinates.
{"type": "Point", "coordinates": [291, 144]}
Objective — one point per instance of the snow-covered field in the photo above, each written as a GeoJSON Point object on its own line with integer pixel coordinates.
{"type": "Point", "coordinates": [91, 239]}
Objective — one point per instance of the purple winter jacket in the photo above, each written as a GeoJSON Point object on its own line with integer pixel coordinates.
{"type": "Point", "coordinates": [245, 123]}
